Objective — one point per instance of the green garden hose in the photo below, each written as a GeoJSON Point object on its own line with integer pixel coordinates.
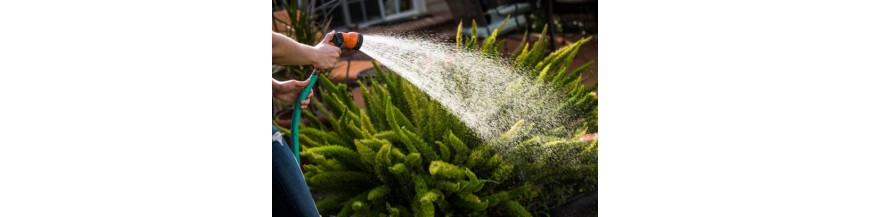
{"type": "Point", "coordinates": [349, 40]}
{"type": "Point", "coordinates": [297, 114]}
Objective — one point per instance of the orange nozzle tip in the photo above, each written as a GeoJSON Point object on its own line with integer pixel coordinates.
{"type": "Point", "coordinates": [352, 40]}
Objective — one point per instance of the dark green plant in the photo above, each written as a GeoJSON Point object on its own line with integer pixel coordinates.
{"type": "Point", "coordinates": [403, 162]}
{"type": "Point", "coordinates": [576, 170]}
{"type": "Point", "coordinates": [406, 155]}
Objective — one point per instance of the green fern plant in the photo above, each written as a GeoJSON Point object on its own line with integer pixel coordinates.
{"type": "Point", "coordinates": [384, 160]}
{"type": "Point", "coordinates": [405, 155]}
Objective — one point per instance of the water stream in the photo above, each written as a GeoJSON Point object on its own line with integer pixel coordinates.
{"type": "Point", "coordinates": [487, 94]}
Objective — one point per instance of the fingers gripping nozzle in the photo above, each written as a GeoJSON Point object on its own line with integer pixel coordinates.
{"type": "Point", "coordinates": [349, 40]}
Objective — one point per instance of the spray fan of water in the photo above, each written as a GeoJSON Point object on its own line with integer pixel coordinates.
{"type": "Point", "coordinates": [487, 94]}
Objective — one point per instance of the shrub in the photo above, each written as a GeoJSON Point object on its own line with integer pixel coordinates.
{"type": "Point", "coordinates": [405, 155]}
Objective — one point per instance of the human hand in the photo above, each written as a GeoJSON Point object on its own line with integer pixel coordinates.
{"type": "Point", "coordinates": [324, 55]}
{"type": "Point", "coordinates": [288, 91]}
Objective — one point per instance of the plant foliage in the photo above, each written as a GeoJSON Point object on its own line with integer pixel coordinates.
{"type": "Point", "coordinates": [405, 155]}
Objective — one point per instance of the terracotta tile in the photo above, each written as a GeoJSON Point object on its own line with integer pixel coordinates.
{"type": "Point", "coordinates": [348, 72]}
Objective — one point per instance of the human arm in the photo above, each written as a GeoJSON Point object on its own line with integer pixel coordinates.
{"type": "Point", "coordinates": [286, 51]}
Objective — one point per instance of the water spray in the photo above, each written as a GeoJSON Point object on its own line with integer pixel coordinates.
{"type": "Point", "coordinates": [347, 40]}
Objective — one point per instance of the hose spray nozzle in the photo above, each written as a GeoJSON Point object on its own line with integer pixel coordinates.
{"type": "Point", "coordinates": [349, 40]}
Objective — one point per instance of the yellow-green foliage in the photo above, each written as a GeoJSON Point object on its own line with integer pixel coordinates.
{"type": "Point", "coordinates": [374, 161]}
{"type": "Point", "coordinates": [405, 155]}
{"type": "Point", "coordinates": [551, 69]}
{"type": "Point", "coordinates": [446, 170]}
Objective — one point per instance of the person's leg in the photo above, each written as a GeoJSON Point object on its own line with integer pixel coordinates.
{"type": "Point", "coordinates": [290, 195]}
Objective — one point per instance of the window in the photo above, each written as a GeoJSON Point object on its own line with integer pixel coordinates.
{"type": "Point", "coordinates": [364, 13]}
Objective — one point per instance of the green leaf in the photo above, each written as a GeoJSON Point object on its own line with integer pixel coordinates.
{"type": "Point", "coordinates": [337, 180]}
{"type": "Point", "coordinates": [367, 155]}
{"type": "Point", "coordinates": [459, 148]}
{"type": "Point", "coordinates": [459, 36]}
{"type": "Point", "coordinates": [446, 170]}
{"type": "Point", "coordinates": [323, 136]}
{"type": "Point", "coordinates": [378, 193]}
{"type": "Point", "coordinates": [383, 163]}
{"type": "Point", "coordinates": [344, 155]}
{"type": "Point", "coordinates": [331, 204]}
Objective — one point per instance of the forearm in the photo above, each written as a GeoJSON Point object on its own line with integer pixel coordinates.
{"type": "Point", "coordinates": [286, 51]}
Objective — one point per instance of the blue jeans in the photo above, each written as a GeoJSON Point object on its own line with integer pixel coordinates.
{"type": "Point", "coordinates": [290, 195]}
